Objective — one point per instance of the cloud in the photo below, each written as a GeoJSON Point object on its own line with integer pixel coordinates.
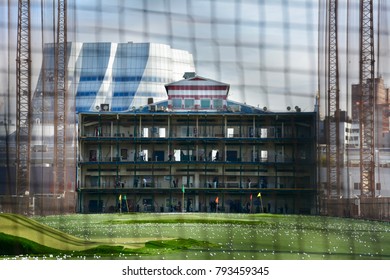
{"type": "Point", "coordinates": [260, 47]}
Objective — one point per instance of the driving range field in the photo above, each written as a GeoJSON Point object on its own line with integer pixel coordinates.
{"type": "Point", "coordinates": [192, 236]}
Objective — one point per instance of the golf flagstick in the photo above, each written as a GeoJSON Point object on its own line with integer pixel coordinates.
{"type": "Point", "coordinates": [261, 202]}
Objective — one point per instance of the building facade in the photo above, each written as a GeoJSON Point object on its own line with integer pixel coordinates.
{"type": "Point", "coordinates": [197, 151]}
{"type": "Point", "coordinates": [382, 110]}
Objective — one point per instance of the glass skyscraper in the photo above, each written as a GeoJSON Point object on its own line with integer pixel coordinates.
{"type": "Point", "coordinates": [120, 75]}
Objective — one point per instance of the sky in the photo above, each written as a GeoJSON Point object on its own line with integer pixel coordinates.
{"type": "Point", "coordinates": [268, 51]}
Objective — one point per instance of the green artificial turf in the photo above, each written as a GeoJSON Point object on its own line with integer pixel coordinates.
{"type": "Point", "coordinates": [219, 236]}
{"type": "Point", "coordinates": [11, 245]}
{"type": "Point", "coordinates": [24, 235]}
{"type": "Point", "coordinates": [29, 229]}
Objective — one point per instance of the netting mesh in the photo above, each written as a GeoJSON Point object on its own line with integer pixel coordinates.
{"type": "Point", "coordinates": [261, 48]}
{"type": "Point", "coordinates": [272, 53]}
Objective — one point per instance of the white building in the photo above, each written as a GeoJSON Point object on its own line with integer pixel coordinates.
{"type": "Point", "coordinates": [350, 172]}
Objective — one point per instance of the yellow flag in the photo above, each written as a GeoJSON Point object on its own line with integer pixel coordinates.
{"type": "Point", "coordinates": [259, 195]}
{"type": "Point", "coordinates": [120, 197]}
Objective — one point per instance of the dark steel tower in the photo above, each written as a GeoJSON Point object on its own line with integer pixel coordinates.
{"type": "Point", "coordinates": [60, 106]}
{"type": "Point", "coordinates": [367, 100]}
{"type": "Point", "coordinates": [23, 98]}
{"type": "Point", "coordinates": [334, 153]}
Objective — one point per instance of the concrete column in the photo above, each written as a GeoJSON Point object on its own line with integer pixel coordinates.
{"type": "Point", "coordinates": [196, 203]}
{"type": "Point", "coordinates": [196, 180]}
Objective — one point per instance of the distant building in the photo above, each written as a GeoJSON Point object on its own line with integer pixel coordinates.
{"type": "Point", "coordinates": [382, 110]}
{"type": "Point", "coordinates": [350, 167]}
{"type": "Point", "coordinates": [113, 76]}
{"type": "Point", "coordinates": [197, 151]}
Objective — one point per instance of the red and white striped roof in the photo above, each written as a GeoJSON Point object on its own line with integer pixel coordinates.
{"type": "Point", "coordinates": [197, 87]}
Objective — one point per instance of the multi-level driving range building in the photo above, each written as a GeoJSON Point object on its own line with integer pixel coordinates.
{"type": "Point", "coordinates": [197, 151]}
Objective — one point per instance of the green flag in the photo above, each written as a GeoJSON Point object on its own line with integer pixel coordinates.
{"type": "Point", "coordinates": [182, 189]}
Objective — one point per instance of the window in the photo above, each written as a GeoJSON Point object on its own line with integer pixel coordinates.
{"type": "Point", "coordinates": [188, 181]}
{"type": "Point", "coordinates": [217, 103]}
{"type": "Point", "coordinates": [145, 132]}
{"type": "Point", "coordinates": [177, 155]}
{"type": "Point", "coordinates": [158, 156]}
{"type": "Point", "coordinates": [123, 154]}
{"type": "Point", "coordinates": [205, 103]}
{"type": "Point", "coordinates": [264, 155]}
{"type": "Point", "coordinates": [143, 155]}
{"type": "Point", "coordinates": [176, 103]}
{"type": "Point", "coordinates": [185, 131]}
{"type": "Point", "coordinates": [356, 186]}
{"type": "Point", "coordinates": [215, 155]}
{"type": "Point", "coordinates": [161, 132]}
{"type": "Point", "coordinates": [231, 155]}
{"type": "Point", "coordinates": [189, 103]}
{"type": "Point", "coordinates": [94, 181]}
{"type": "Point", "coordinates": [92, 155]}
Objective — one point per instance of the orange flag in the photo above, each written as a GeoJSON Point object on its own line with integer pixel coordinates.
{"type": "Point", "coordinates": [217, 200]}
